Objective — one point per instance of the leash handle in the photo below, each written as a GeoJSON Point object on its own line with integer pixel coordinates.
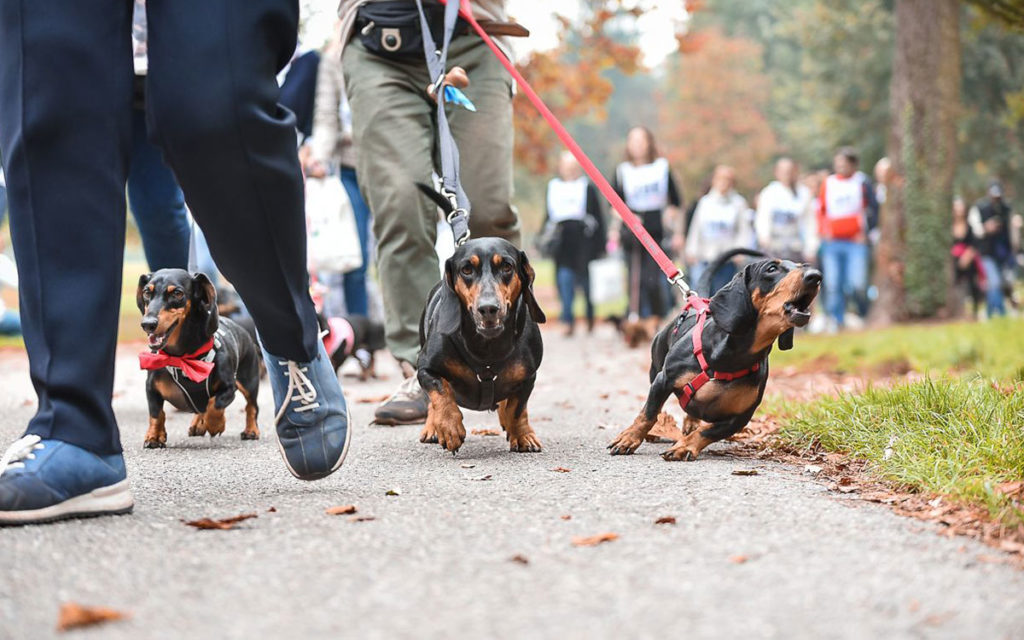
{"type": "Point", "coordinates": [666, 265]}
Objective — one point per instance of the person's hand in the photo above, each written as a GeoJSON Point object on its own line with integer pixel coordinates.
{"type": "Point", "coordinates": [678, 242]}
{"type": "Point", "coordinates": [993, 225]}
{"type": "Point", "coordinates": [457, 78]}
{"type": "Point", "coordinates": [315, 169]}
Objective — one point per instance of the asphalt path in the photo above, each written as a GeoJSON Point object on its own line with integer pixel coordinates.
{"type": "Point", "coordinates": [479, 545]}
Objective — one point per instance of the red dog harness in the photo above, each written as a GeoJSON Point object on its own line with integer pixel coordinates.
{"type": "Point", "coordinates": [703, 309]}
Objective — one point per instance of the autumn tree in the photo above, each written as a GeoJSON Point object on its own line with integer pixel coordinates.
{"type": "Point", "coordinates": [572, 78]}
{"type": "Point", "coordinates": [713, 110]}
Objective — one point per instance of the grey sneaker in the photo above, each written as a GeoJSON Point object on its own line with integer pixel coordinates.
{"type": "Point", "coordinates": [407, 405]}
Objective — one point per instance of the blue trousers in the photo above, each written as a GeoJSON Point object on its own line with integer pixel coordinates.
{"type": "Point", "coordinates": [844, 265]}
{"type": "Point", "coordinates": [995, 302]}
{"type": "Point", "coordinates": [354, 282]}
{"type": "Point", "coordinates": [156, 202]}
{"type": "Point", "coordinates": [567, 279]}
{"type": "Point", "coordinates": [66, 137]}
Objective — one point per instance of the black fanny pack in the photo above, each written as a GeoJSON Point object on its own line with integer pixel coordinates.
{"type": "Point", "coordinates": [392, 29]}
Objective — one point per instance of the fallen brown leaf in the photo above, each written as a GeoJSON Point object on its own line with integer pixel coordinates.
{"type": "Point", "coordinates": [272, 510]}
{"type": "Point", "coordinates": [223, 524]}
{"type": "Point", "coordinates": [593, 541]}
{"type": "Point", "coordinates": [561, 470]}
{"type": "Point", "coordinates": [745, 472]}
{"type": "Point", "coordinates": [372, 399]}
{"type": "Point", "coordinates": [74, 616]}
{"type": "Point", "coordinates": [666, 520]}
{"type": "Point", "coordinates": [738, 559]}
{"type": "Point", "coordinates": [479, 478]}
{"type": "Point", "coordinates": [361, 518]}
{"type": "Point", "coordinates": [666, 429]}
{"type": "Point", "coordinates": [566, 517]}
{"type": "Point", "coordinates": [519, 558]}
{"type": "Point", "coordinates": [341, 511]}
{"type": "Point", "coordinates": [485, 432]}
{"type": "Point", "coordinates": [393, 492]}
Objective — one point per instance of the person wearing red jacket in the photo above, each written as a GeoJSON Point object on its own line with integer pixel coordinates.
{"type": "Point", "coordinates": [843, 208]}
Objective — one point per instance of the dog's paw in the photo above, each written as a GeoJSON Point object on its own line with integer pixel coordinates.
{"type": "Point", "coordinates": [626, 443]}
{"type": "Point", "coordinates": [154, 443]}
{"type": "Point", "coordinates": [680, 452]}
{"type": "Point", "coordinates": [198, 427]}
{"type": "Point", "coordinates": [428, 435]}
{"type": "Point", "coordinates": [451, 437]}
{"type": "Point", "coordinates": [525, 443]}
{"type": "Point", "coordinates": [250, 435]}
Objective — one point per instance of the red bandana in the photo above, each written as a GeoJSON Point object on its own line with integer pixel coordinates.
{"type": "Point", "coordinates": [195, 369]}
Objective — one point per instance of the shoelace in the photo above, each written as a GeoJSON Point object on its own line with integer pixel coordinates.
{"type": "Point", "coordinates": [20, 449]}
{"type": "Point", "coordinates": [409, 388]}
{"type": "Point", "coordinates": [305, 392]}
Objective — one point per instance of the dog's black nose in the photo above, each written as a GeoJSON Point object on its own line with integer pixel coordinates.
{"type": "Point", "coordinates": [488, 311]}
{"type": "Point", "coordinates": [149, 324]}
{"type": "Point", "coordinates": [812, 276]}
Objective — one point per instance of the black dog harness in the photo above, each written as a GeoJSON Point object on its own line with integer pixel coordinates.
{"type": "Point", "coordinates": [486, 375]}
{"type": "Point", "coordinates": [703, 309]}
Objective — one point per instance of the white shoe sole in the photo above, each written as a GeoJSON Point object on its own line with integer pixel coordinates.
{"type": "Point", "coordinates": [341, 459]}
{"type": "Point", "coordinates": [111, 500]}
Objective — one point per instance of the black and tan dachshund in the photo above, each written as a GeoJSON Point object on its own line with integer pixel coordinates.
{"type": "Point", "coordinates": [480, 345]}
{"type": "Point", "coordinates": [762, 303]}
{"type": "Point", "coordinates": [198, 359]}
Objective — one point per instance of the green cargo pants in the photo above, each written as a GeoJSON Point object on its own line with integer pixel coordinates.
{"type": "Point", "coordinates": [395, 136]}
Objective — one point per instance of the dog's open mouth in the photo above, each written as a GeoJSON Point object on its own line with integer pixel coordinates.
{"type": "Point", "coordinates": [489, 330]}
{"type": "Point", "coordinates": [157, 340]}
{"type": "Point", "coordinates": [798, 310]}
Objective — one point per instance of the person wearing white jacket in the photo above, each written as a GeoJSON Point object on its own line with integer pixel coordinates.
{"type": "Point", "coordinates": [784, 221]}
{"type": "Point", "coordinates": [719, 224]}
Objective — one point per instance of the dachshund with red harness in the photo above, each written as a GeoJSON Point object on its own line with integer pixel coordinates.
{"type": "Point", "coordinates": [714, 356]}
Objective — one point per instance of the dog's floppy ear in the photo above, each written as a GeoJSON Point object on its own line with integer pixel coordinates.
{"type": "Point", "coordinates": [786, 339]}
{"type": "Point", "coordinates": [449, 273]}
{"type": "Point", "coordinates": [731, 306]}
{"type": "Point", "coordinates": [204, 295]}
{"type": "Point", "coordinates": [526, 276]}
{"type": "Point", "coordinates": [143, 281]}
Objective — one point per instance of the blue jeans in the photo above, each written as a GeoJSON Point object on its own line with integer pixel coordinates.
{"type": "Point", "coordinates": [718, 280]}
{"type": "Point", "coordinates": [10, 323]}
{"type": "Point", "coordinates": [3, 204]}
{"type": "Point", "coordinates": [567, 279]}
{"type": "Point", "coordinates": [994, 300]}
{"type": "Point", "coordinates": [844, 265]}
{"type": "Point", "coordinates": [156, 202]}
{"type": "Point", "coordinates": [354, 282]}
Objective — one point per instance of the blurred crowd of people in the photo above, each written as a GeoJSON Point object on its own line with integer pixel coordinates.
{"type": "Point", "coordinates": [829, 218]}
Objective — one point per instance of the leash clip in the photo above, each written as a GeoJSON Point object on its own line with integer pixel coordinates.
{"type": "Point", "coordinates": [678, 281]}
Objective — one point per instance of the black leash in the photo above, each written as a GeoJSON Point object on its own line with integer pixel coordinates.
{"type": "Point", "coordinates": [437, 62]}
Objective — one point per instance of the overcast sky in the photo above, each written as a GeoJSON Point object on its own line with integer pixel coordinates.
{"type": "Point", "coordinates": [657, 26]}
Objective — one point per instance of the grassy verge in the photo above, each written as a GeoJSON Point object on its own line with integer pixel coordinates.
{"type": "Point", "coordinates": [992, 348]}
{"type": "Point", "coordinates": [960, 437]}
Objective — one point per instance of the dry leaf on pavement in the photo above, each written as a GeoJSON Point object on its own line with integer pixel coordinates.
{"type": "Point", "coordinates": [666, 520]}
{"type": "Point", "coordinates": [745, 472]}
{"type": "Point", "coordinates": [738, 559]}
{"type": "Point", "coordinates": [223, 524]}
{"type": "Point", "coordinates": [593, 541]}
{"type": "Point", "coordinates": [361, 518]}
{"type": "Point", "coordinates": [485, 432]}
{"type": "Point", "coordinates": [566, 517]}
{"type": "Point", "coordinates": [341, 511]}
{"type": "Point", "coordinates": [561, 470]}
{"type": "Point", "coordinates": [73, 616]}
{"type": "Point", "coordinates": [519, 558]}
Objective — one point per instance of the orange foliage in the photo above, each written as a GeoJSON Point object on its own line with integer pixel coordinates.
{"type": "Point", "coordinates": [712, 110]}
{"type": "Point", "coordinates": [570, 80]}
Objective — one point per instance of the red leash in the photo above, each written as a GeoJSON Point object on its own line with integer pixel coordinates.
{"type": "Point", "coordinates": [635, 225]}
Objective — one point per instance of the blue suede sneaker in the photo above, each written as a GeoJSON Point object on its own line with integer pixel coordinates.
{"type": "Point", "coordinates": [47, 480]}
{"type": "Point", "coordinates": [312, 416]}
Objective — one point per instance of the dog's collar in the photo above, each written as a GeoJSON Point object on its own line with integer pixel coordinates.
{"type": "Point", "coordinates": [196, 366]}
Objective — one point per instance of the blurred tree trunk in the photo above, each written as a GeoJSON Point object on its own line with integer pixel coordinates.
{"type": "Point", "coordinates": [914, 269]}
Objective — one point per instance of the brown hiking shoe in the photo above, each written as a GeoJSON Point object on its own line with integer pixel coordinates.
{"type": "Point", "coordinates": [407, 405]}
